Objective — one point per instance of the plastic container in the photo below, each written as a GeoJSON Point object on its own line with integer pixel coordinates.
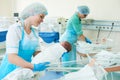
{"type": "Point", "coordinates": [3, 36]}
{"type": "Point", "coordinates": [49, 37]}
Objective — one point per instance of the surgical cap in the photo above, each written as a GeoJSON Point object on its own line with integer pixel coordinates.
{"type": "Point", "coordinates": [83, 10]}
{"type": "Point", "coordinates": [33, 9]}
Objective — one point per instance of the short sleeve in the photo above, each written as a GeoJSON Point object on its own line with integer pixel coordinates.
{"type": "Point", "coordinates": [12, 39]}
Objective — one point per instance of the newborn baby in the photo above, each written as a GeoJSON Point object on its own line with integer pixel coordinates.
{"type": "Point", "coordinates": [52, 53]}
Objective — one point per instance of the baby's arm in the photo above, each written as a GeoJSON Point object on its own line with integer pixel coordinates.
{"type": "Point", "coordinates": [92, 62]}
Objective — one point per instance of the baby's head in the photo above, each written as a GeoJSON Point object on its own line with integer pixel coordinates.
{"type": "Point", "coordinates": [66, 45]}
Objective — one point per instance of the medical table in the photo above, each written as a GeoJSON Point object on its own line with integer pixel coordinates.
{"type": "Point", "coordinates": [76, 65]}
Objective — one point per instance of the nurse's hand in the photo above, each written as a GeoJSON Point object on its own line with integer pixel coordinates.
{"type": "Point", "coordinates": [88, 40]}
{"type": "Point", "coordinates": [40, 66]}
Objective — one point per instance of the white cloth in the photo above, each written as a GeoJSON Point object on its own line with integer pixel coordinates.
{"type": "Point", "coordinates": [106, 59]}
{"type": "Point", "coordinates": [20, 74]}
{"type": "Point", "coordinates": [51, 54]}
{"type": "Point", "coordinates": [85, 73]}
{"type": "Point", "coordinates": [86, 48]}
{"type": "Point", "coordinates": [83, 47]}
{"type": "Point", "coordinates": [99, 71]}
{"type": "Point", "coordinates": [14, 36]}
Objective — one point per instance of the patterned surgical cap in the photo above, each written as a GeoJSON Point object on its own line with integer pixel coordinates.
{"type": "Point", "coordinates": [83, 10]}
{"type": "Point", "coordinates": [33, 9]}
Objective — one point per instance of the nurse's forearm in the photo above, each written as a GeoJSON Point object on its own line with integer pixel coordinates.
{"type": "Point", "coordinates": [82, 37]}
{"type": "Point", "coordinates": [112, 69]}
{"type": "Point", "coordinates": [15, 59]}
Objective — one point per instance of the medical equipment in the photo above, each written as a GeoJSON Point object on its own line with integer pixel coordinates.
{"type": "Point", "coordinates": [109, 42]}
{"type": "Point", "coordinates": [5, 22]}
{"type": "Point", "coordinates": [3, 29]}
{"type": "Point", "coordinates": [110, 31]}
{"type": "Point", "coordinates": [3, 36]}
{"type": "Point", "coordinates": [58, 66]}
{"type": "Point", "coordinates": [49, 30]}
{"type": "Point", "coordinates": [49, 37]}
{"type": "Point", "coordinates": [98, 35]}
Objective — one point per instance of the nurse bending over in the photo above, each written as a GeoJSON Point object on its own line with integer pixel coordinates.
{"type": "Point", "coordinates": [22, 41]}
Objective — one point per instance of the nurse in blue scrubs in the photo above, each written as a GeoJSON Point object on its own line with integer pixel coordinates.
{"type": "Point", "coordinates": [22, 41]}
{"type": "Point", "coordinates": [74, 32]}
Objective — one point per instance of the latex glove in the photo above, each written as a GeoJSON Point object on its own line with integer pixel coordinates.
{"type": "Point", "coordinates": [40, 66]}
{"type": "Point", "coordinates": [88, 40]}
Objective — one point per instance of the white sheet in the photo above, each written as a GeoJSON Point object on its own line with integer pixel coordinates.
{"type": "Point", "coordinates": [87, 73]}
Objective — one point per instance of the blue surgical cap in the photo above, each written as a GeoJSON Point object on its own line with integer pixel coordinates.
{"type": "Point", "coordinates": [33, 9]}
{"type": "Point", "coordinates": [83, 10]}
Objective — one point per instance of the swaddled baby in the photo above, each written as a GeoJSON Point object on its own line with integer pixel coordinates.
{"type": "Point", "coordinates": [53, 53]}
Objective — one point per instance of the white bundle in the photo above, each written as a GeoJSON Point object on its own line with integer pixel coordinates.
{"type": "Point", "coordinates": [83, 47]}
{"type": "Point", "coordinates": [95, 72]}
{"type": "Point", "coordinates": [87, 73]}
{"type": "Point", "coordinates": [50, 54]}
{"type": "Point", "coordinates": [117, 58]}
{"type": "Point", "coordinates": [105, 58]}
{"type": "Point", "coordinates": [20, 74]}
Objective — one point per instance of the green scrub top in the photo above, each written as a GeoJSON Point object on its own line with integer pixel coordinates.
{"type": "Point", "coordinates": [74, 25]}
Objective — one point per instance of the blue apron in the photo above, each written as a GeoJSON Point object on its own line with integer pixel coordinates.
{"type": "Point", "coordinates": [26, 50]}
